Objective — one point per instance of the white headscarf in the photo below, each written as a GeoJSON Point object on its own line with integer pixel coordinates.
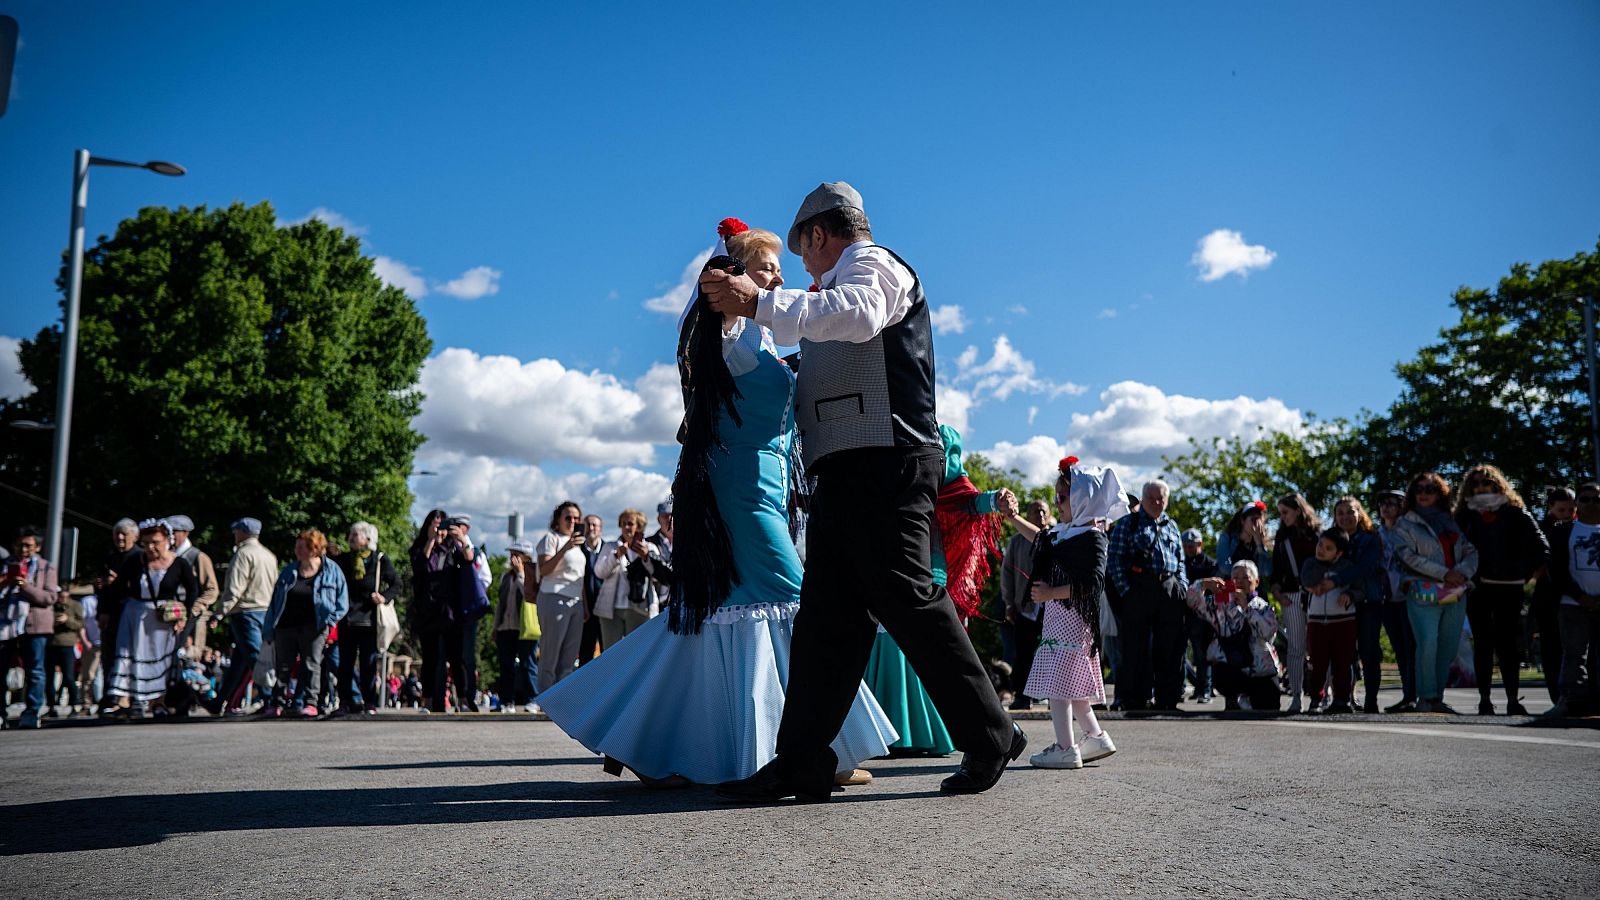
{"type": "Point", "coordinates": [1096, 494]}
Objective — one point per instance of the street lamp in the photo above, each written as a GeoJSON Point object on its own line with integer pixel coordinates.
{"type": "Point", "coordinates": [81, 161]}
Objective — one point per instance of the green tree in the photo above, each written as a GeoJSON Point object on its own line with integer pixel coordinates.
{"type": "Point", "coordinates": [231, 367]}
{"type": "Point", "coordinates": [1504, 385]}
{"type": "Point", "coordinates": [1213, 479]}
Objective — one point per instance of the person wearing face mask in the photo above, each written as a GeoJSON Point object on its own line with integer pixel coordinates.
{"type": "Point", "coordinates": [1511, 550]}
{"type": "Point", "coordinates": [1575, 578]}
{"type": "Point", "coordinates": [1068, 579]}
{"type": "Point", "coordinates": [1561, 505]}
{"type": "Point", "coordinates": [696, 695]}
{"type": "Point", "coordinates": [1437, 564]}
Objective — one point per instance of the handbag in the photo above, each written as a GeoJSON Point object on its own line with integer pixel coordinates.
{"type": "Point", "coordinates": [530, 621]}
{"type": "Point", "coordinates": [474, 599]}
{"type": "Point", "coordinates": [384, 618]}
{"type": "Point", "coordinates": [1432, 593]}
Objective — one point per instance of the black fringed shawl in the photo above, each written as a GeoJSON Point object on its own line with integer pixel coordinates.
{"type": "Point", "coordinates": [1079, 562]}
{"type": "Point", "coordinates": [702, 553]}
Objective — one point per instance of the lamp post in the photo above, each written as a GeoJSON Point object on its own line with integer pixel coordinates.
{"type": "Point", "coordinates": [81, 161]}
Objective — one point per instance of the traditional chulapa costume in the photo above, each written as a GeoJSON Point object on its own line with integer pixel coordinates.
{"type": "Point", "coordinates": [699, 693]}
{"type": "Point", "coordinates": [964, 536]}
{"type": "Point", "coordinates": [1066, 667]}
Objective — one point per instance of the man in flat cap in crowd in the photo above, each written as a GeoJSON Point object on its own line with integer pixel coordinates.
{"type": "Point", "coordinates": [864, 407]}
{"type": "Point", "coordinates": [251, 577]}
{"type": "Point", "coordinates": [204, 570]}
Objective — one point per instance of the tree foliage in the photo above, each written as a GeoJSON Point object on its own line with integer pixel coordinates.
{"type": "Point", "coordinates": [1214, 479]}
{"type": "Point", "coordinates": [229, 367]}
{"type": "Point", "coordinates": [1505, 385]}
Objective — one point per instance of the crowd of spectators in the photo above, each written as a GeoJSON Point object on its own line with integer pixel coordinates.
{"type": "Point", "coordinates": [1440, 587]}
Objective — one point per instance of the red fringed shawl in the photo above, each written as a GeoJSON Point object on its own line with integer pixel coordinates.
{"type": "Point", "coordinates": [969, 540]}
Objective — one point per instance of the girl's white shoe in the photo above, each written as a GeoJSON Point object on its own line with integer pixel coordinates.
{"type": "Point", "coordinates": [1097, 747]}
{"type": "Point", "coordinates": [1056, 756]}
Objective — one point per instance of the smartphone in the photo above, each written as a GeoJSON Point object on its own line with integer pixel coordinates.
{"type": "Point", "coordinates": [1225, 593]}
{"type": "Point", "coordinates": [14, 570]}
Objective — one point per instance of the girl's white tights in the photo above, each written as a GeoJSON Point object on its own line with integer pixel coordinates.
{"type": "Point", "coordinates": [1062, 713]}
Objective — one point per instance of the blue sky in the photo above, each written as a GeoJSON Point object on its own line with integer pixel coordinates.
{"type": "Point", "coordinates": [1050, 169]}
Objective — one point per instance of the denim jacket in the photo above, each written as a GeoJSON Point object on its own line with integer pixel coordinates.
{"type": "Point", "coordinates": [329, 595]}
{"type": "Point", "coordinates": [1418, 553]}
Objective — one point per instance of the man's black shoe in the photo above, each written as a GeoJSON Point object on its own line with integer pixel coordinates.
{"type": "Point", "coordinates": [1404, 706]}
{"type": "Point", "coordinates": [776, 781]}
{"type": "Point", "coordinates": [978, 775]}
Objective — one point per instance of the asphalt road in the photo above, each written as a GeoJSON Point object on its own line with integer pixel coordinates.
{"type": "Point", "coordinates": [492, 806]}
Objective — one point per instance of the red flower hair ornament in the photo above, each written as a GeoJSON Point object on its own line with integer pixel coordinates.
{"type": "Point", "coordinates": [1253, 504]}
{"type": "Point", "coordinates": [1066, 464]}
{"type": "Point", "coordinates": [730, 226]}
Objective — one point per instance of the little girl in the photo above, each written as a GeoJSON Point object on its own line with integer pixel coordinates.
{"type": "Point", "coordinates": [1069, 570]}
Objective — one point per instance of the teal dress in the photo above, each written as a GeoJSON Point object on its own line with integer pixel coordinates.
{"type": "Point", "coordinates": [707, 705]}
{"type": "Point", "coordinates": [896, 685]}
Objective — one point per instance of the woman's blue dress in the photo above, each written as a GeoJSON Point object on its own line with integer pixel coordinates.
{"type": "Point", "coordinates": [707, 706]}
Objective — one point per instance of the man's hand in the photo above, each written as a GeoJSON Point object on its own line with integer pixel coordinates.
{"type": "Point", "coordinates": [730, 295]}
{"type": "Point", "coordinates": [198, 609]}
{"type": "Point", "coordinates": [378, 598]}
{"type": "Point", "coordinates": [1011, 616]}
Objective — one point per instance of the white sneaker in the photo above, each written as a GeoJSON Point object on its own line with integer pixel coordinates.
{"type": "Point", "coordinates": [1097, 747]}
{"type": "Point", "coordinates": [532, 708]}
{"type": "Point", "coordinates": [1294, 707]}
{"type": "Point", "coordinates": [1056, 756]}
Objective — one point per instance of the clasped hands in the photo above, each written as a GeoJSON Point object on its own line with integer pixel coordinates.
{"type": "Point", "coordinates": [729, 294]}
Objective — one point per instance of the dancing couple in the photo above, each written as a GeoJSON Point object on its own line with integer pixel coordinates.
{"type": "Point", "coordinates": [752, 681]}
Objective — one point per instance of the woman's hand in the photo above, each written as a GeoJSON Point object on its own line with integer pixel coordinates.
{"type": "Point", "coordinates": [1454, 578]}
{"type": "Point", "coordinates": [1044, 593]}
{"type": "Point", "coordinates": [1212, 585]}
{"type": "Point", "coordinates": [641, 546]}
{"type": "Point", "coordinates": [1006, 503]}
{"type": "Point", "coordinates": [378, 599]}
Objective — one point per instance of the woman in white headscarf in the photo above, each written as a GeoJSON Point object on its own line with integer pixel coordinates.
{"type": "Point", "coordinates": [1068, 578]}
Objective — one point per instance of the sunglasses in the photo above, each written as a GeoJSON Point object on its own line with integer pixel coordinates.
{"type": "Point", "coordinates": [1426, 488]}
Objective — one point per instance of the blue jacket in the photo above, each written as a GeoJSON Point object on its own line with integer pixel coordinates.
{"type": "Point", "coordinates": [1368, 574]}
{"type": "Point", "coordinates": [329, 595]}
{"type": "Point", "coordinates": [1227, 543]}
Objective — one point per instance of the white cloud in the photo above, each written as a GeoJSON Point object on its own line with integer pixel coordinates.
{"type": "Point", "coordinates": [330, 218]}
{"type": "Point", "coordinates": [1004, 373]}
{"type": "Point", "coordinates": [488, 489]}
{"type": "Point", "coordinates": [538, 411]}
{"type": "Point", "coordinates": [397, 274]}
{"type": "Point", "coordinates": [1223, 252]}
{"type": "Point", "coordinates": [953, 406]}
{"type": "Point", "coordinates": [13, 384]}
{"type": "Point", "coordinates": [1033, 413]}
{"type": "Point", "coordinates": [1137, 424]}
{"type": "Point", "coordinates": [479, 281]}
{"type": "Point", "coordinates": [948, 319]}
{"type": "Point", "coordinates": [1108, 313]}
{"type": "Point", "coordinates": [675, 299]}
{"type": "Point", "coordinates": [1036, 458]}
{"type": "Point", "coordinates": [1017, 309]}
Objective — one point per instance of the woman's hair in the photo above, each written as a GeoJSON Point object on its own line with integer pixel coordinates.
{"type": "Point", "coordinates": [1363, 521]}
{"type": "Point", "coordinates": [1248, 566]}
{"type": "Point", "coordinates": [632, 515]}
{"type": "Point", "coordinates": [430, 522]}
{"type": "Point", "coordinates": [1236, 524]}
{"type": "Point", "coordinates": [746, 244]}
{"type": "Point", "coordinates": [1308, 516]}
{"type": "Point", "coordinates": [368, 531]}
{"type": "Point", "coordinates": [125, 525]}
{"type": "Point", "coordinates": [555, 517]}
{"type": "Point", "coordinates": [1337, 538]}
{"type": "Point", "coordinates": [1486, 474]}
{"type": "Point", "coordinates": [315, 540]}
{"type": "Point", "coordinates": [1433, 478]}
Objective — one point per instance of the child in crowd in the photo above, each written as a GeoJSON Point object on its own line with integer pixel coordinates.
{"type": "Point", "coordinates": [1243, 662]}
{"type": "Point", "coordinates": [1331, 619]}
{"type": "Point", "coordinates": [1068, 579]}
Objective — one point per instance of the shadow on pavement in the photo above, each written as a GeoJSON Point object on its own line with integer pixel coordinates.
{"type": "Point", "coordinates": [138, 820]}
{"type": "Point", "coordinates": [468, 764]}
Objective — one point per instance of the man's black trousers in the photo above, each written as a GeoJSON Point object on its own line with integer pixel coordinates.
{"type": "Point", "coordinates": [867, 555]}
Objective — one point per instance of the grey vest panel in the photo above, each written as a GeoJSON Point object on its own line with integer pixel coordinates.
{"type": "Point", "coordinates": [873, 394]}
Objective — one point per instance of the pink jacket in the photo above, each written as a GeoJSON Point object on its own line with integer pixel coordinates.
{"type": "Point", "coordinates": [41, 591]}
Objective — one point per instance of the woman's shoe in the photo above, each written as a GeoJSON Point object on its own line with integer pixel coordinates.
{"type": "Point", "coordinates": [1404, 706]}
{"type": "Point", "coordinates": [1439, 706]}
{"type": "Point", "coordinates": [1515, 708]}
{"type": "Point", "coordinates": [852, 778]}
{"type": "Point", "coordinates": [614, 766]}
{"type": "Point", "coordinates": [1370, 707]}
{"type": "Point", "coordinates": [1294, 707]}
{"type": "Point", "coordinates": [1485, 707]}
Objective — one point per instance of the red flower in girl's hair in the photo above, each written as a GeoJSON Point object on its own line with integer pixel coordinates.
{"type": "Point", "coordinates": [730, 226]}
{"type": "Point", "coordinates": [1066, 464]}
